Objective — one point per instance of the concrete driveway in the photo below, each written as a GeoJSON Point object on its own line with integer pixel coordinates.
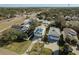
{"type": "Point", "coordinates": [53, 46]}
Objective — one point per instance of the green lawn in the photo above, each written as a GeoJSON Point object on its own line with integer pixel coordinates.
{"type": "Point", "coordinates": [46, 51]}
{"type": "Point", "coordinates": [18, 47]}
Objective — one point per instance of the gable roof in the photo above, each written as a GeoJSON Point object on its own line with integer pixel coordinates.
{"type": "Point", "coordinates": [70, 31]}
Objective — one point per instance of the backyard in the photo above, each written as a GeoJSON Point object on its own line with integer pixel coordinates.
{"type": "Point", "coordinates": [18, 47]}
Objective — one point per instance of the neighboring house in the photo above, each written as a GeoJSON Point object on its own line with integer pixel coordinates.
{"type": "Point", "coordinates": [70, 33]}
{"type": "Point", "coordinates": [26, 25]}
{"type": "Point", "coordinates": [46, 23]}
{"type": "Point", "coordinates": [40, 31]}
{"type": "Point", "coordinates": [25, 28]}
{"type": "Point", "coordinates": [71, 18]}
{"type": "Point", "coordinates": [53, 34]}
{"type": "Point", "coordinates": [74, 18]}
{"type": "Point", "coordinates": [68, 18]}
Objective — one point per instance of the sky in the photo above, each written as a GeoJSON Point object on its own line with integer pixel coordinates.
{"type": "Point", "coordinates": [39, 5]}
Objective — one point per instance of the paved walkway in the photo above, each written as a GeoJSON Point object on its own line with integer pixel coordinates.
{"type": "Point", "coordinates": [6, 52]}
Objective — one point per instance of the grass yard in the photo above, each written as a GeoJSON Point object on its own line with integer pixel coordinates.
{"type": "Point", "coordinates": [46, 51]}
{"type": "Point", "coordinates": [18, 47]}
{"type": "Point", "coordinates": [14, 21]}
{"type": "Point", "coordinates": [38, 49]}
{"type": "Point", "coordinates": [1, 17]}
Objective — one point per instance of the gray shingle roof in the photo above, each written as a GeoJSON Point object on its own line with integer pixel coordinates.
{"type": "Point", "coordinates": [54, 31]}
